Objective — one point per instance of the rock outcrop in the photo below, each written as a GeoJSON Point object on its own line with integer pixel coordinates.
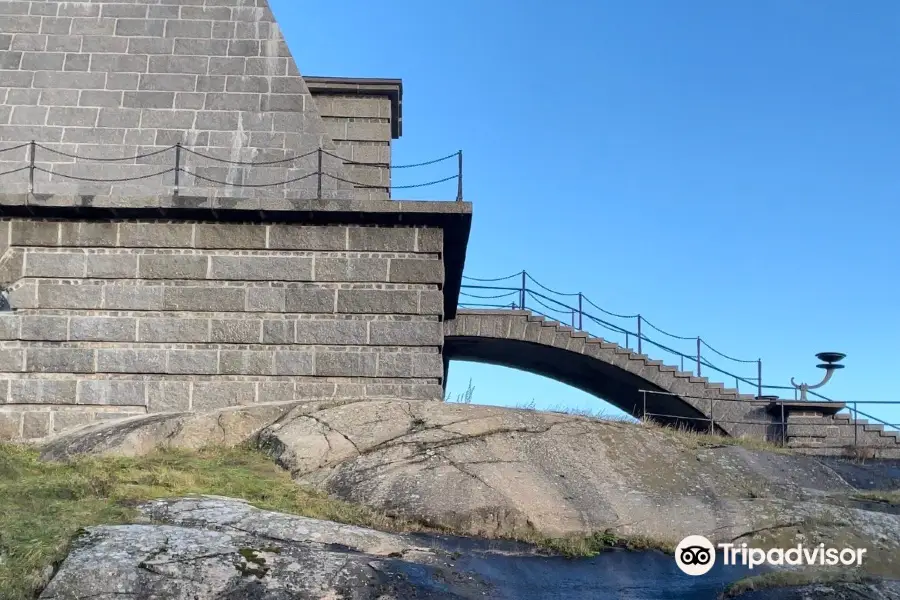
{"type": "Point", "coordinates": [503, 472]}
{"type": "Point", "coordinates": [206, 548]}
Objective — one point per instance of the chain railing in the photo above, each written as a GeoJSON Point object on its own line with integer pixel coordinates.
{"type": "Point", "coordinates": [578, 311]}
{"type": "Point", "coordinates": [178, 167]}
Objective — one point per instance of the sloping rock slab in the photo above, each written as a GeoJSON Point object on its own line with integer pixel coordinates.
{"type": "Point", "coordinates": [489, 470]}
{"type": "Point", "coordinates": [141, 435]}
{"type": "Point", "coordinates": [248, 553]}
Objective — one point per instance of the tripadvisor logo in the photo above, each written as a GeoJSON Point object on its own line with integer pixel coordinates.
{"type": "Point", "coordinates": [696, 555]}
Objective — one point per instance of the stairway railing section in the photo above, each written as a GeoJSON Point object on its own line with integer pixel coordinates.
{"type": "Point", "coordinates": [172, 176]}
{"type": "Point", "coordinates": [521, 291]}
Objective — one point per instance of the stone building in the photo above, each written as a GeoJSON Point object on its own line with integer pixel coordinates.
{"type": "Point", "coordinates": [133, 290]}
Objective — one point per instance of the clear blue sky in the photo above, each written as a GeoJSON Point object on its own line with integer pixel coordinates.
{"type": "Point", "coordinates": [728, 169]}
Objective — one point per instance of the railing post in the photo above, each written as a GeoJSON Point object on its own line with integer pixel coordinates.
{"type": "Point", "coordinates": [32, 150]}
{"type": "Point", "coordinates": [319, 176]}
{"type": "Point", "coordinates": [698, 356]}
{"type": "Point", "coordinates": [573, 319]}
{"type": "Point", "coordinates": [682, 363]}
{"type": "Point", "coordinates": [627, 340]}
{"type": "Point", "coordinates": [783, 426]}
{"type": "Point", "coordinates": [759, 378]}
{"type": "Point", "coordinates": [855, 426]}
{"type": "Point", "coordinates": [177, 165]}
{"type": "Point", "coordinates": [522, 292]}
{"type": "Point", "coordinates": [639, 335]}
{"type": "Point", "coordinates": [580, 312]}
{"type": "Point", "coordinates": [459, 192]}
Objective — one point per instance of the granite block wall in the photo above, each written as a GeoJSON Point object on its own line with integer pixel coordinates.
{"type": "Point", "coordinates": [360, 127]}
{"type": "Point", "coordinates": [110, 79]}
{"type": "Point", "coordinates": [112, 318]}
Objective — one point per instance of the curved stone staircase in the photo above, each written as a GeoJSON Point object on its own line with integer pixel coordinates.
{"type": "Point", "coordinates": [809, 429]}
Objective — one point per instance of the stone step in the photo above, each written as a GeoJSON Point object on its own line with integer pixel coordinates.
{"type": "Point", "coordinates": [608, 345]}
{"type": "Point", "coordinates": [684, 374]}
{"type": "Point", "coordinates": [620, 350]}
{"type": "Point", "coordinates": [667, 368]}
{"type": "Point", "coordinates": [653, 363]}
{"type": "Point", "coordinates": [699, 379]}
{"type": "Point", "coordinates": [644, 357]}
{"type": "Point", "coordinates": [875, 427]}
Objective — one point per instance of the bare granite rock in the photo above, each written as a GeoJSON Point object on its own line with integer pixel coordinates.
{"type": "Point", "coordinates": [220, 548]}
{"type": "Point", "coordinates": [500, 472]}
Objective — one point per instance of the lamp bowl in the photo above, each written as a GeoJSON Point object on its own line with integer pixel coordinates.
{"type": "Point", "coordinates": [830, 357]}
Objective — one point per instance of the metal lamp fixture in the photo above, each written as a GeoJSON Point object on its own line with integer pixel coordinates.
{"type": "Point", "coordinates": [829, 363]}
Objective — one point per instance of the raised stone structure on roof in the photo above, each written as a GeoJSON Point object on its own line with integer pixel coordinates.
{"type": "Point", "coordinates": [113, 79]}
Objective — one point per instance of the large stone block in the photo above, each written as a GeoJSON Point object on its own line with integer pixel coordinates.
{"type": "Point", "coordinates": [408, 364]}
{"type": "Point", "coordinates": [128, 360]}
{"type": "Point", "coordinates": [41, 391]}
{"type": "Point", "coordinates": [111, 266]}
{"type": "Point", "coordinates": [10, 425]}
{"type": "Point", "coordinates": [214, 299]}
{"type": "Point", "coordinates": [54, 264]}
{"type": "Point", "coordinates": [59, 360]}
{"type": "Point", "coordinates": [382, 239]}
{"type": "Point", "coordinates": [35, 424]}
{"type": "Point", "coordinates": [378, 302]}
{"type": "Point", "coordinates": [293, 362]}
{"type": "Point", "coordinates": [411, 270]}
{"type": "Point", "coordinates": [133, 297]}
{"type": "Point", "coordinates": [235, 331]}
{"type": "Point", "coordinates": [430, 239]}
{"type": "Point", "coordinates": [345, 364]}
{"type": "Point", "coordinates": [109, 392]}
{"type": "Point", "coordinates": [229, 235]}
{"type": "Point", "coordinates": [85, 234]}
{"type": "Point", "coordinates": [405, 333]}
{"type": "Point", "coordinates": [193, 362]}
{"type": "Point", "coordinates": [103, 329]}
{"type": "Point", "coordinates": [331, 333]}
{"type": "Point", "coordinates": [172, 330]}
{"type": "Point", "coordinates": [246, 362]}
{"type": "Point", "coordinates": [309, 300]}
{"type": "Point", "coordinates": [351, 269]}
{"type": "Point", "coordinates": [206, 396]}
{"type": "Point", "coordinates": [33, 233]}
{"type": "Point", "coordinates": [265, 299]}
{"type": "Point", "coordinates": [261, 268]}
{"type": "Point", "coordinates": [172, 266]}
{"type": "Point", "coordinates": [168, 396]}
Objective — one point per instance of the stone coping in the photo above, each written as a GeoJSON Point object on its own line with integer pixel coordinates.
{"type": "Point", "coordinates": [363, 86]}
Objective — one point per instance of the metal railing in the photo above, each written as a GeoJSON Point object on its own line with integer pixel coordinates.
{"type": "Point", "coordinates": [780, 421]}
{"type": "Point", "coordinates": [578, 311]}
{"type": "Point", "coordinates": [178, 168]}
{"type": "Point", "coordinates": [521, 291]}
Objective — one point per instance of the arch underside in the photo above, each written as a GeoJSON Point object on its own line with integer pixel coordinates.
{"type": "Point", "coordinates": [605, 381]}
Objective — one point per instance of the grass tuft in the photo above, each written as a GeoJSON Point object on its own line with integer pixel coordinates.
{"type": "Point", "coordinates": [886, 496]}
{"type": "Point", "coordinates": [45, 505]}
{"type": "Point", "coordinates": [779, 579]}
